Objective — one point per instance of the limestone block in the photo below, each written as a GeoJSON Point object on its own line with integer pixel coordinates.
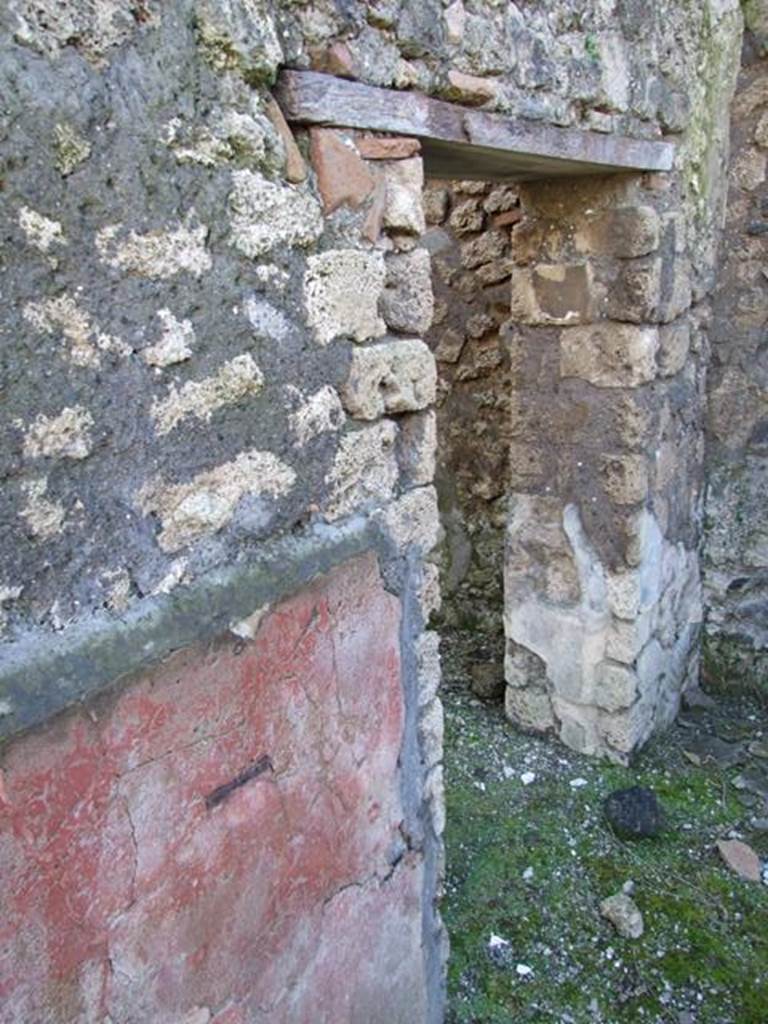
{"type": "Point", "coordinates": [435, 204]}
{"type": "Point", "coordinates": [206, 503]}
{"type": "Point", "coordinates": [623, 232]}
{"type": "Point", "coordinates": [240, 36]}
{"type": "Point", "coordinates": [434, 793]}
{"type": "Point", "coordinates": [413, 519]}
{"type": "Point", "coordinates": [431, 729]}
{"type": "Point", "coordinates": [320, 413]}
{"type": "Point", "coordinates": [455, 18]}
{"type": "Point", "coordinates": [41, 232]}
{"type": "Point", "coordinates": [749, 168]}
{"type": "Point", "coordinates": [429, 591]}
{"type": "Point", "coordinates": [615, 686]}
{"type": "Point", "coordinates": [635, 294]}
{"type": "Point", "coordinates": [364, 470]}
{"type": "Point", "coordinates": [234, 381]}
{"type": "Point", "coordinates": [417, 448]}
{"type": "Point", "coordinates": [158, 254]}
{"type": "Point", "coordinates": [624, 478]}
{"type": "Point", "coordinates": [626, 638]}
{"type": "Point", "coordinates": [674, 344]}
{"type": "Point", "coordinates": [522, 667]}
{"type": "Point", "coordinates": [529, 709]}
{"type": "Point", "coordinates": [470, 90]}
{"type": "Point", "coordinates": [633, 420]}
{"type": "Point", "coordinates": [554, 293]}
{"type": "Point", "coordinates": [264, 214]}
{"type": "Point", "coordinates": [342, 177]}
{"type": "Point", "coordinates": [392, 377]}
{"type": "Point", "coordinates": [342, 288]}
{"type": "Point", "coordinates": [610, 355]}
{"type": "Point", "coordinates": [403, 210]}
{"type": "Point", "coordinates": [407, 303]}
{"type": "Point", "coordinates": [428, 665]}
{"type": "Point", "coordinates": [677, 295]}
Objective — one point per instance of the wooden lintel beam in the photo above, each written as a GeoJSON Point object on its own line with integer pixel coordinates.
{"type": "Point", "coordinates": [509, 147]}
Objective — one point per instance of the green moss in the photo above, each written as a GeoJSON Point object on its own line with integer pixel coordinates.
{"type": "Point", "coordinates": [705, 930]}
{"type": "Point", "coordinates": [731, 665]}
{"type": "Point", "coordinates": [592, 48]}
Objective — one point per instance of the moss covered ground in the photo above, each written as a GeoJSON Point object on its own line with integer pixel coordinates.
{"type": "Point", "coordinates": [529, 865]}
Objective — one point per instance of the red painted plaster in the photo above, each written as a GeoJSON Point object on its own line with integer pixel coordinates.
{"type": "Point", "coordinates": [126, 899]}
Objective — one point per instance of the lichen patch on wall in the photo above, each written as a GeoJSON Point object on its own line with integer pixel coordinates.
{"type": "Point", "coordinates": [66, 435]}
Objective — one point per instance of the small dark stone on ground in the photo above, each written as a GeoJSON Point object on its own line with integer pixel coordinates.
{"type": "Point", "coordinates": [634, 813]}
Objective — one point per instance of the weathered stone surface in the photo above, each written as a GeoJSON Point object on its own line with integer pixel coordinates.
{"type": "Point", "coordinates": [414, 519]}
{"type": "Point", "coordinates": [740, 858]}
{"type": "Point", "coordinates": [206, 503]}
{"type": "Point", "coordinates": [295, 168]}
{"type": "Point", "coordinates": [470, 89]}
{"type": "Point", "coordinates": [625, 232]}
{"type": "Point", "coordinates": [264, 215]}
{"type": "Point", "coordinates": [342, 176]}
{"type": "Point", "coordinates": [609, 355]}
{"type": "Point", "coordinates": [364, 470]}
{"type": "Point", "coordinates": [158, 254]}
{"type": "Point", "coordinates": [379, 147]}
{"type": "Point", "coordinates": [625, 478]}
{"type": "Point", "coordinates": [623, 913]}
{"type": "Point", "coordinates": [529, 709]}
{"type": "Point", "coordinates": [403, 210]}
{"type": "Point", "coordinates": [407, 303]}
{"type": "Point", "coordinates": [417, 447]}
{"type": "Point", "coordinates": [553, 294]}
{"type": "Point", "coordinates": [341, 292]}
{"type": "Point", "coordinates": [230, 384]}
{"type": "Point", "coordinates": [391, 377]}
{"type": "Point", "coordinates": [63, 436]}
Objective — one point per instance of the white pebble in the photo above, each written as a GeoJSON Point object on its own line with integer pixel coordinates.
{"type": "Point", "coordinates": [527, 778]}
{"type": "Point", "coordinates": [578, 783]}
{"type": "Point", "coordinates": [528, 874]}
{"type": "Point", "coordinates": [524, 970]}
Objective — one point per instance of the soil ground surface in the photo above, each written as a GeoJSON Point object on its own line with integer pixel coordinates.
{"type": "Point", "coordinates": [530, 859]}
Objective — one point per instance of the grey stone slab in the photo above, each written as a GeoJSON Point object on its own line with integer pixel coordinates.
{"type": "Point", "coordinates": [459, 142]}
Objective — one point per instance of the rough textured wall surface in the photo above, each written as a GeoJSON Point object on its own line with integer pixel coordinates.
{"type": "Point", "coordinates": [223, 840]}
{"type": "Point", "coordinates": [607, 360]}
{"type": "Point", "coordinates": [468, 237]}
{"type": "Point", "coordinates": [736, 548]}
{"type": "Point", "coordinates": [211, 363]}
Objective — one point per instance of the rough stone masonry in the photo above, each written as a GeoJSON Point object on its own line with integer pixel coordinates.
{"type": "Point", "coordinates": [219, 550]}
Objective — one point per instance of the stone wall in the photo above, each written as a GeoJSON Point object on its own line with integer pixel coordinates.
{"type": "Point", "coordinates": [736, 548]}
{"type": "Point", "coordinates": [218, 436]}
{"type": "Point", "coordinates": [215, 390]}
{"type": "Point", "coordinates": [601, 580]}
{"type": "Point", "coordinates": [468, 237]}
